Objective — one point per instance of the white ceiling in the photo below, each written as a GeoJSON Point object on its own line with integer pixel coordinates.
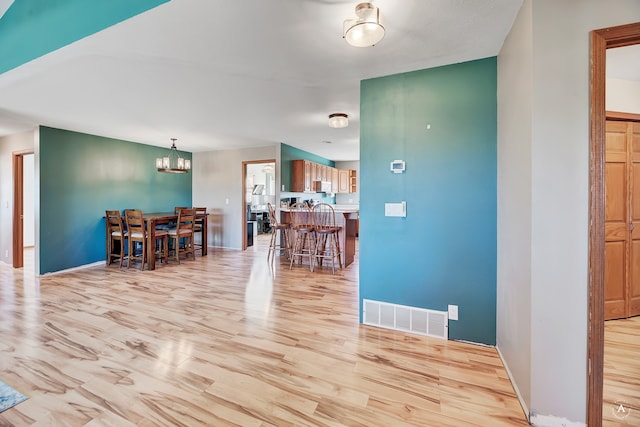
{"type": "Point", "coordinates": [222, 74]}
{"type": "Point", "coordinates": [4, 5]}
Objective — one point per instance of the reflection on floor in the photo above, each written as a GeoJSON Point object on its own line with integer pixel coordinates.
{"type": "Point", "coordinates": [621, 372]}
{"type": "Point", "coordinates": [230, 339]}
{"type": "Point", "coordinates": [260, 242]}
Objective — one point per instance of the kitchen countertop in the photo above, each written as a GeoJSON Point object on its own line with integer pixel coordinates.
{"type": "Point", "coordinates": [337, 209]}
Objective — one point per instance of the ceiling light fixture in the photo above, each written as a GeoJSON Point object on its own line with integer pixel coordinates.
{"type": "Point", "coordinates": [338, 120]}
{"type": "Point", "coordinates": [366, 30]}
{"type": "Point", "coordinates": [173, 162]}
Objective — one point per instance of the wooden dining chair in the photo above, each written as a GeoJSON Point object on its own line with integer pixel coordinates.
{"type": "Point", "coordinates": [183, 232]}
{"type": "Point", "coordinates": [327, 240]}
{"type": "Point", "coordinates": [116, 236]}
{"type": "Point", "coordinates": [198, 228]}
{"type": "Point", "coordinates": [304, 238]}
{"type": "Point", "coordinates": [138, 234]}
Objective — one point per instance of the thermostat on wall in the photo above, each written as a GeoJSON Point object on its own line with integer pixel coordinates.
{"type": "Point", "coordinates": [397, 166]}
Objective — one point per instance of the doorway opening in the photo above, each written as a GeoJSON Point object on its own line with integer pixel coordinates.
{"type": "Point", "coordinates": [258, 190]}
{"type": "Point", "coordinates": [23, 205]}
{"type": "Point", "coordinates": [601, 40]}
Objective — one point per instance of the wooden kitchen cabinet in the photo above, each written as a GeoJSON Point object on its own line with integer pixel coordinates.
{"type": "Point", "coordinates": [326, 175]}
{"type": "Point", "coordinates": [314, 171]}
{"type": "Point", "coordinates": [343, 181]}
{"type": "Point", "coordinates": [305, 172]}
{"type": "Point", "coordinates": [301, 176]}
{"type": "Point", "coordinates": [353, 184]}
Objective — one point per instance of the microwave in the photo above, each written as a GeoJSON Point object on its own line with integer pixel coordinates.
{"type": "Point", "coordinates": [322, 186]}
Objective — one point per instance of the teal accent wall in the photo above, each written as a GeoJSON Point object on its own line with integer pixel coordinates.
{"type": "Point", "coordinates": [444, 251]}
{"type": "Point", "coordinates": [83, 175]}
{"type": "Point", "coordinates": [32, 28]}
{"type": "Point", "coordinates": [289, 153]}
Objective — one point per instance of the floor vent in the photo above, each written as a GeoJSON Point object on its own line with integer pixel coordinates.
{"type": "Point", "coordinates": [408, 319]}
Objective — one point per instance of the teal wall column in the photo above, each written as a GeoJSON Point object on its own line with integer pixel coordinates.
{"type": "Point", "coordinates": [83, 175]}
{"type": "Point", "coordinates": [442, 122]}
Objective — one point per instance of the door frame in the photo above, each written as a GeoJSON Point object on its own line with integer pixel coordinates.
{"type": "Point", "coordinates": [601, 40]}
{"type": "Point", "coordinates": [244, 195]}
{"type": "Point", "coordinates": [18, 207]}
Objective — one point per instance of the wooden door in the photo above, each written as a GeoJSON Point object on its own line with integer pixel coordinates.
{"type": "Point", "coordinates": [18, 209]}
{"type": "Point", "coordinates": [622, 220]}
{"type": "Point", "coordinates": [616, 229]}
{"type": "Point", "coordinates": [634, 216]}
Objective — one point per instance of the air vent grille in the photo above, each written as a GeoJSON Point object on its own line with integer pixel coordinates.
{"type": "Point", "coordinates": [404, 318]}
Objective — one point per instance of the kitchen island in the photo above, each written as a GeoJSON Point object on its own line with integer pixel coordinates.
{"type": "Point", "coordinates": [347, 219]}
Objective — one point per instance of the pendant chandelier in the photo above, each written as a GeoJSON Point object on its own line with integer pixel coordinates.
{"type": "Point", "coordinates": [172, 162]}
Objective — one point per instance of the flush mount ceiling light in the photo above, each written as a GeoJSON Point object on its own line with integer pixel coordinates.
{"type": "Point", "coordinates": [366, 30]}
{"type": "Point", "coordinates": [338, 120]}
{"type": "Point", "coordinates": [173, 162]}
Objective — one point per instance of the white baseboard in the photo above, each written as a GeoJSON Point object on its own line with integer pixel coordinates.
{"type": "Point", "coordinates": [551, 421]}
{"type": "Point", "coordinates": [515, 387]}
{"type": "Point", "coordinates": [80, 267]}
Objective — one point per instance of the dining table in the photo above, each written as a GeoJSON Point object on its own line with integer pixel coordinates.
{"type": "Point", "coordinates": [152, 220]}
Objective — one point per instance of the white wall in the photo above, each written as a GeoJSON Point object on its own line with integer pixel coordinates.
{"type": "Point", "coordinates": [559, 202]}
{"type": "Point", "coordinates": [9, 145]}
{"type": "Point", "coordinates": [349, 198]}
{"type": "Point", "coordinates": [513, 323]}
{"type": "Point", "coordinates": [623, 96]}
{"type": "Point", "coordinates": [217, 178]}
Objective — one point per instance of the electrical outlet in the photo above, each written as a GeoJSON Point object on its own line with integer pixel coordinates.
{"type": "Point", "coordinates": [453, 312]}
{"type": "Point", "coordinates": [6, 253]}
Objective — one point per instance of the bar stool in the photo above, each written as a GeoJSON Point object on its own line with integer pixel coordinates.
{"type": "Point", "coordinates": [279, 242]}
{"type": "Point", "coordinates": [304, 240]}
{"type": "Point", "coordinates": [116, 234]}
{"type": "Point", "coordinates": [326, 231]}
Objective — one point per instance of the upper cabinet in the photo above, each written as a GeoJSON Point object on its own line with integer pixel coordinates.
{"type": "Point", "coordinates": [353, 185]}
{"type": "Point", "coordinates": [305, 172]}
{"type": "Point", "coordinates": [347, 181]}
{"type": "Point", "coordinates": [301, 172]}
{"type": "Point", "coordinates": [335, 173]}
{"type": "Point", "coordinates": [343, 181]}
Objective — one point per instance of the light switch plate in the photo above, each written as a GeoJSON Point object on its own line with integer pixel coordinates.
{"type": "Point", "coordinates": [395, 209]}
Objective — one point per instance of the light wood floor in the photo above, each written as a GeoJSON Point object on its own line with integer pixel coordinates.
{"type": "Point", "coordinates": [621, 372]}
{"type": "Point", "coordinates": [227, 340]}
